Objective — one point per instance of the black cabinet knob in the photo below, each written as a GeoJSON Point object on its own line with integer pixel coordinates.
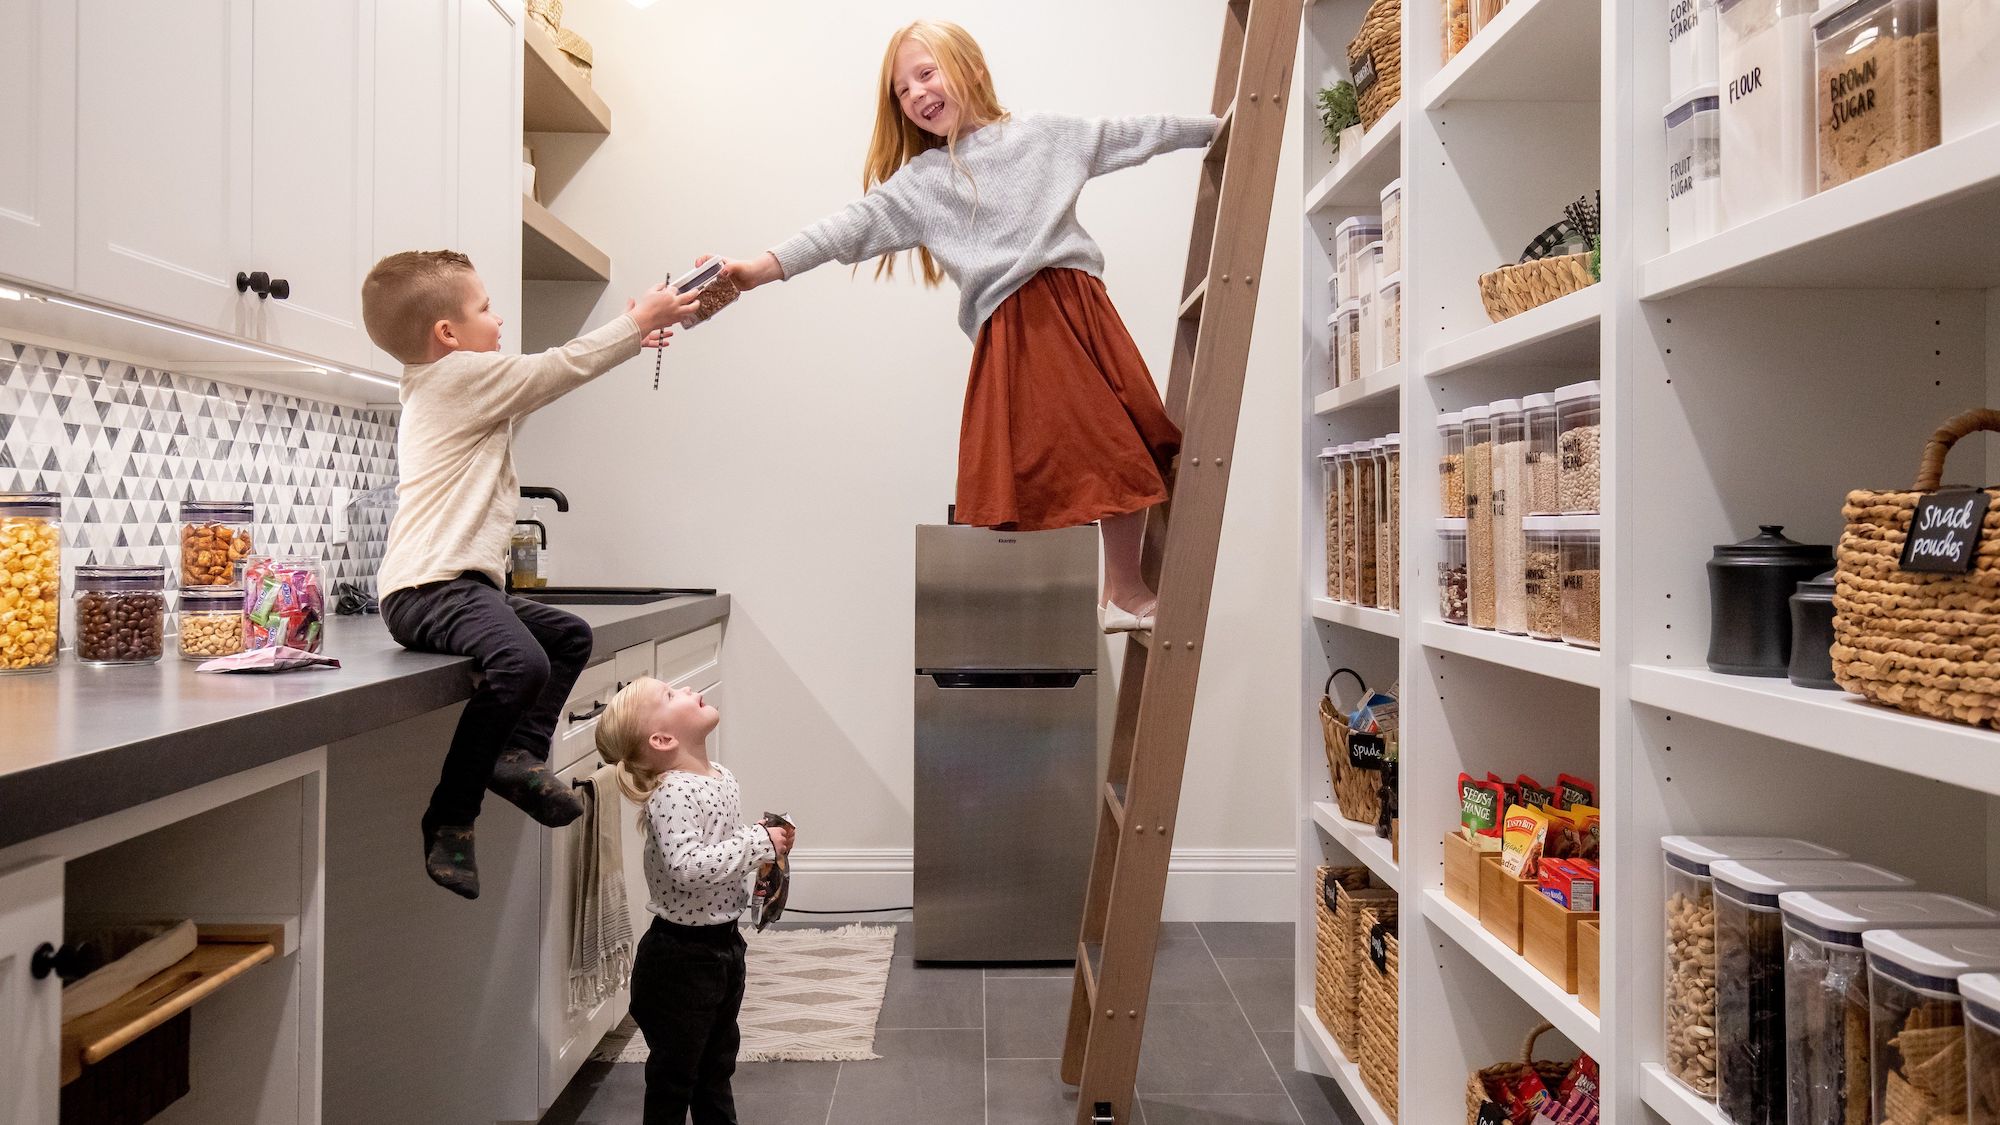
{"type": "Point", "coordinates": [280, 289]}
{"type": "Point", "coordinates": [70, 962]}
{"type": "Point", "coordinates": [259, 282]}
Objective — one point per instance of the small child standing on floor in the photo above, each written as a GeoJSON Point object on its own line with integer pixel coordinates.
{"type": "Point", "coordinates": [688, 976]}
{"type": "Point", "coordinates": [1063, 424]}
{"type": "Point", "coordinates": [442, 573]}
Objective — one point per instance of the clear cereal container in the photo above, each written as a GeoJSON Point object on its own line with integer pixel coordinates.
{"type": "Point", "coordinates": [1388, 520]}
{"type": "Point", "coordinates": [1452, 587]}
{"type": "Point", "coordinates": [1694, 168]}
{"type": "Point", "coordinates": [1329, 484]}
{"type": "Point", "coordinates": [1690, 946]}
{"type": "Point", "coordinates": [1392, 227]}
{"type": "Point", "coordinates": [1350, 342]}
{"type": "Point", "coordinates": [1981, 994]}
{"type": "Point", "coordinates": [1876, 98]}
{"type": "Point", "coordinates": [1750, 973]}
{"type": "Point", "coordinates": [215, 539]}
{"type": "Point", "coordinates": [1540, 411]}
{"type": "Point", "coordinates": [1918, 1063]}
{"type": "Point", "coordinates": [1510, 468]}
{"type": "Point", "coordinates": [1542, 575]}
{"type": "Point", "coordinates": [1578, 439]}
{"type": "Point", "coordinates": [211, 622]}
{"type": "Point", "coordinates": [1350, 239]}
{"type": "Point", "coordinates": [1389, 315]}
{"type": "Point", "coordinates": [1451, 465]}
{"type": "Point", "coordinates": [1367, 460]}
{"type": "Point", "coordinates": [1766, 89]}
{"type": "Point", "coordinates": [121, 614]}
{"type": "Point", "coordinates": [30, 581]}
{"type": "Point", "coordinates": [1826, 990]}
{"type": "Point", "coordinates": [1333, 350]}
{"type": "Point", "coordinates": [1578, 545]}
{"type": "Point", "coordinates": [1369, 278]}
{"type": "Point", "coordinates": [1968, 66]}
{"type": "Point", "coordinates": [1350, 569]}
{"type": "Point", "coordinates": [1479, 514]}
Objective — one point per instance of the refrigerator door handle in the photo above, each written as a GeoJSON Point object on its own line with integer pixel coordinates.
{"type": "Point", "coordinates": [960, 678]}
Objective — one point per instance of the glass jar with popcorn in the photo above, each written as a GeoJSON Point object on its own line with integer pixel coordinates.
{"type": "Point", "coordinates": [30, 581]}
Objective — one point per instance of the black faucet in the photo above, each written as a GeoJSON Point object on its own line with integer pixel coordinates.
{"type": "Point", "coordinates": [537, 492]}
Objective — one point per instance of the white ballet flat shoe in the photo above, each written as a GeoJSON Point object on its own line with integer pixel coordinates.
{"type": "Point", "coordinates": [1114, 620]}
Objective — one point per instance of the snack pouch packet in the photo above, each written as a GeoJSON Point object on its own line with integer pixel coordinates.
{"type": "Point", "coordinates": [1581, 1079]}
{"type": "Point", "coordinates": [1590, 826]}
{"type": "Point", "coordinates": [1565, 840]}
{"type": "Point", "coordinates": [1378, 714]}
{"type": "Point", "coordinates": [1574, 791]}
{"type": "Point", "coordinates": [1523, 833]}
{"type": "Point", "coordinates": [1479, 805]}
{"type": "Point", "coordinates": [1531, 792]}
{"type": "Point", "coordinates": [1524, 1097]}
{"type": "Point", "coordinates": [281, 659]}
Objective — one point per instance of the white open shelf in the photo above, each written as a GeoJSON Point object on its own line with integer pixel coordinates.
{"type": "Point", "coordinates": [1346, 1074]}
{"type": "Point", "coordinates": [1387, 381]}
{"type": "Point", "coordinates": [1539, 992]}
{"type": "Point", "coordinates": [1355, 184]}
{"type": "Point", "coordinates": [1543, 658]}
{"type": "Point", "coordinates": [1927, 222]}
{"type": "Point", "coordinates": [1383, 621]}
{"type": "Point", "coordinates": [1832, 721]}
{"type": "Point", "coordinates": [1560, 333]}
{"type": "Point", "coordinates": [1534, 51]}
{"type": "Point", "coordinates": [1361, 840]}
{"type": "Point", "coordinates": [1675, 1102]}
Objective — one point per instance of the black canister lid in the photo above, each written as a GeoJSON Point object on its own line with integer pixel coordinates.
{"type": "Point", "coordinates": [1769, 547]}
{"type": "Point", "coordinates": [1818, 589]}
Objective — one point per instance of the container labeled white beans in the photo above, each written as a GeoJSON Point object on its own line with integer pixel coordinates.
{"type": "Point", "coordinates": [1350, 342]}
{"type": "Point", "coordinates": [1392, 227]}
{"type": "Point", "coordinates": [1389, 314]}
{"type": "Point", "coordinates": [1766, 88]}
{"type": "Point", "coordinates": [1694, 168]}
{"type": "Point", "coordinates": [1578, 441]}
{"type": "Point", "coordinates": [1690, 962]}
{"type": "Point", "coordinates": [1350, 238]}
{"type": "Point", "coordinates": [1368, 277]}
{"type": "Point", "coordinates": [1981, 993]}
{"type": "Point", "coordinates": [1691, 45]}
{"type": "Point", "coordinates": [1969, 65]}
{"type": "Point", "coordinates": [1916, 1020]}
{"type": "Point", "coordinates": [1826, 990]}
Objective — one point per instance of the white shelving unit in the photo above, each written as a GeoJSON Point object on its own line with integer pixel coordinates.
{"type": "Point", "coordinates": [1753, 378]}
{"type": "Point", "coordinates": [1318, 1042]}
{"type": "Point", "coordinates": [1360, 841]}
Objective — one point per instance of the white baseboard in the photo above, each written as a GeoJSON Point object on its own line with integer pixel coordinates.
{"type": "Point", "coordinates": [1203, 884]}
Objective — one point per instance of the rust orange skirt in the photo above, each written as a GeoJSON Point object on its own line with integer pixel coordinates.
{"type": "Point", "coordinates": [1063, 424]}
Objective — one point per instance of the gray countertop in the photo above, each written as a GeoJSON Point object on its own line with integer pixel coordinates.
{"type": "Point", "coordinates": [79, 743]}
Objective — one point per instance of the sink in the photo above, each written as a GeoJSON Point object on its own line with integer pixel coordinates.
{"type": "Point", "coordinates": [607, 595]}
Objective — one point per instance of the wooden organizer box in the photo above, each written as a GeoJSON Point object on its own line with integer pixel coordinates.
{"type": "Point", "coordinates": [1502, 902]}
{"type": "Point", "coordinates": [222, 953]}
{"type": "Point", "coordinates": [1461, 873]}
{"type": "Point", "coordinates": [1589, 934]}
{"type": "Point", "coordinates": [1550, 937]}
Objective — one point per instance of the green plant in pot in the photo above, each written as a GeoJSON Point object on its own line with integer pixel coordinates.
{"type": "Point", "coordinates": [1338, 109]}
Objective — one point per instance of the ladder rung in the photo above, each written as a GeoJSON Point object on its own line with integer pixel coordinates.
{"type": "Point", "coordinates": [1114, 799]}
{"type": "Point", "coordinates": [1089, 961]}
{"type": "Point", "coordinates": [1219, 146]}
{"type": "Point", "coordinates": [1191, 305]}
{"type": "Point", "coordinates": [1142, 637]}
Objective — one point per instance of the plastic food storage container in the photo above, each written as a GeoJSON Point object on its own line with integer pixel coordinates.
{"type": "Point", "coordinates": [1451, 465]}
{"type": "Point", "coordinates": [1690, 966]}
{"type": "Point", "coordinates": [211, 622]}
{"type": "Point", "coordinates": [284, 602]}
{"type": "Point", "coordinates": [1479, 515]}
{"type": "Point", "coordinates": [1368, 276]}
{"type": "Point", "coordinates": [1542, 575]}
{"type": "Point", "coordinates": [1509, 492]}
{"type": "Point", "coordinates": [1766, 88]}
{"type": "Point", "coordinates": [1350, 577]}
{"type": "Point", "coordinates": [1457, 27]}
{"type": "Point", "coordinates": [1332, 350]}
{"type": "Point", "coordinates": [1969, 66]}
{"type": "Point", "coordinates": [1750, 973]}
{"type": "Point", "coordinates": [1543, 463]}
{"type": "Point", "coordinates": [1392, 227]}
{"type": "Point", "coordinates": [1981, 994]}
{"type": "Point", "coordinates": [1453, 589]}
{"type": "Point", "coordinates": [1918, 1063]}
{"type": "Point", "coordinates": [1366, 461]}
{"type": "Point", "coordinates": [1694, 168]}
{"type": "Point", "coordinates": [1389, 308]}
{"type": "Point", "coordinates": [1826, 990]}
{"type": "Point", "coordinates": [1350, 238]}
{"type": "Point", "coordinates": [1329, 486]}
{"type": "Point", "coordinates": [121, 614]}
{"type": "Point", "coordinates": [215, 539]}
{"type": "Point", "coordinates": [1350, 342]}
{"type": "Point", "coordinates": [1388, 520]}
{"type": "Point", "coordinates": [1578, 430]}
{"type": "Point", "coordinates": [1691, 45]}
{"type": "Point", "coordinates": [1582, 582]}
{"type": "Point", "coordinates": [1876, 89]}
{"type": "Point", "coordinates": [30, 581]}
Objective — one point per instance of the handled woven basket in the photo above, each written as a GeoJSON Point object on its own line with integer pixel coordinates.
{"type": "Point", "coordinates": [1332, 999]}
{"type": "Point", "coordinates": [1550, 1072]}
{"type": "Point", "coordinates": [1924, 643]}
{"type": "Point", "coordinates": [1513, 290]}
{"type": "Point", "coordinates": [1377, 1009]}
{"type": "Point", "coordinates": [1357, 792]}
{"type": "Point", "coordinates": [1380, 44]}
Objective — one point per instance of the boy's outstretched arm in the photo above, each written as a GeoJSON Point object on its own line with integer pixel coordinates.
{"type": "Point", "coordinates": [521, 385]}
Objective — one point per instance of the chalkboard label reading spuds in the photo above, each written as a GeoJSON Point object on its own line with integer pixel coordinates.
{"type": "Point", "coordinates": [1944, 533]}
{"type": "Point", "coordinates": [1367, 751]}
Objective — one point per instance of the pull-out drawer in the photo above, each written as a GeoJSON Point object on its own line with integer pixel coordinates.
{"type": "Point", "coordinates": [684, 660]}
{"type": "Point", "coordinates": [576, 726]}
{"type": "Point", "coordinates": [632, 663]}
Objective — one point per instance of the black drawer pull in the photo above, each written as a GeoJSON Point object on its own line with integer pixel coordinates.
{"type": "Point", "coordinates": [587, 715]}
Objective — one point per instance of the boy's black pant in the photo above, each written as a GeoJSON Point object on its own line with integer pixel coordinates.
{"type": "Point", "coordinates": [529, 655]}
{"type": "Point", "coordinates": [687, 989]}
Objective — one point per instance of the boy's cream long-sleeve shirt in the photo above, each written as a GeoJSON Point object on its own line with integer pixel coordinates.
{"type": "Point", "coordinates": [455, 450]}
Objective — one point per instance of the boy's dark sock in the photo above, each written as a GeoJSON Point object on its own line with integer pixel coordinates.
{"type": "Point", "coordinates": [448, 858]}
{"type": "Point", "coordinates": [532, 786]}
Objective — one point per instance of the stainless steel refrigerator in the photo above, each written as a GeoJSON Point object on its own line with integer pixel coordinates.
{"type": "Point", "coordinates": [1006, 741]}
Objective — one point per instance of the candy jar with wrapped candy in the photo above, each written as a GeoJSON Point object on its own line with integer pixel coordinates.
{"type": "Point", "coordinates": [284, 603]}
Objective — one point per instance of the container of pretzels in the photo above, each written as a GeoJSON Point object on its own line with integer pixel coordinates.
{"type": "Point", "coordinates": [1827, 1045]}
{"type": "Point", "coordinates": [1981, 992]}
{"type": "Point", "coordinates": [1916, 1021]}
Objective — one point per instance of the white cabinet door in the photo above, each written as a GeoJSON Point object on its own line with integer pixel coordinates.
{"type": "Point", "coordinates": [312, 179]}
{"type": "Point", "coordinates": [416, 150]}
{"type": "Point", "coordinates": [163, 157]}
{"type": "Point", "coordinates": [30, 1010]}
{"type": "Point", "coordinates": [489, 160]}
{"type": "Point", "coordinates": [38, 136]}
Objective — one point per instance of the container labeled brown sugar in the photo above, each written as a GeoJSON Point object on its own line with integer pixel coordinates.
{"type": "Point", "coordinates": [1876, 96]}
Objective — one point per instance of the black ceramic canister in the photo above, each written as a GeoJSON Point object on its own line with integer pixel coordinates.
{"type": "Point", "coordinates": [1750, 585]}
{"type": "Point", "coordinates": [1812, 633]}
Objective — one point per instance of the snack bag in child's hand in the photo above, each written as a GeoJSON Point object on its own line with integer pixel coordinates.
{"type": "Point", "coordinates": [1479, 805]}
{"type": "Point", "coordinates": [1574, 791]}
{"type": "Point", "coordinates": [1531, 792]}
{"type": "Point", "coordinates": [1523, 833]}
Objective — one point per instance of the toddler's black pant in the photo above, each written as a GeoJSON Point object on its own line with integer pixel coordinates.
{"type": "Point", "coordinates": [687, 989]}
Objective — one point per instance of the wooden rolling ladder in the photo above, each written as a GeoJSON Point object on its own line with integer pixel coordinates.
{"type": "Point", "coordinates": [1135, 827]}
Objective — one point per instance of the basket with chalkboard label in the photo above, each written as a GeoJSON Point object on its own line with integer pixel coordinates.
{"type": "Point", "coordinates": [1917, 598]}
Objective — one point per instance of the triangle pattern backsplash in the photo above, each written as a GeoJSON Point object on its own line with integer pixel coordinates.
{"type": "Point", "coordinates": [124, 445]}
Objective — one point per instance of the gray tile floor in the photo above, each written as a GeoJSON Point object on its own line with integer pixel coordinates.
{"type": "Point", "coordinates": [971, 1046]}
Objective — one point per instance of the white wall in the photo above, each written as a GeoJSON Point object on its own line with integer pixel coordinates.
{"type": "Point", "coordinates": [797, 439]}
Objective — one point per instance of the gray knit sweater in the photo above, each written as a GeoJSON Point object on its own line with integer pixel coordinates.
{"type": "Point", "coordinates": [1005, 214]}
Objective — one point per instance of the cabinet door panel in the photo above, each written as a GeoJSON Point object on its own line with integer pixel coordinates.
{"type": "Point", "coordinates": [416, 146]}
{"type": "Point", "coordinates": [38, 136]}
{"type": "Point", "coordinates": [30, 1010]}
{"type": "Point", "coordinates": [489, 176]}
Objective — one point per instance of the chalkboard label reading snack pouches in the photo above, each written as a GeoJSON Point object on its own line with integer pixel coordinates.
{"type": "Point", "coordinates": [1944, 532]}
{"type": "Point", "coordinates": [1367, 751]}
{"type": "Point", "coordinates": [1363, 72]}
{"type": "Point", "coordinates": [1493, 1113]}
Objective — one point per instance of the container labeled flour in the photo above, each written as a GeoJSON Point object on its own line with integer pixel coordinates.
{"type": "Point", "coordinates": [1766, 92]}
{"type": "Point", "coordinates": [1694, 168]}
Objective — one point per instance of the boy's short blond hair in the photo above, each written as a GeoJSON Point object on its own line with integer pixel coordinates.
{"type": "Point", "coordinates": [405, 294]}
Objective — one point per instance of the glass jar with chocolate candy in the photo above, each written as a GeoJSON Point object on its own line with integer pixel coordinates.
{"type": "Point", "coordinates": [121, 614]}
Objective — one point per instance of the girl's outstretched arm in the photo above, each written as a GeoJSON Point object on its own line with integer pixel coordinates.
{"type": "Point", "coordinates": [1112, 143]}
{"type": "Point", "coordinates": [886, 220]}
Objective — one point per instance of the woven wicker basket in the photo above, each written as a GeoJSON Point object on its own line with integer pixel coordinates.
{"type": "Point", "coordinates": [549, 12]}
{"type": "Point", "coordinates": [1357, 792]}
{"type": "Point", "coordinates": [1476, 1087]}
{"type": "Point", "coordinates": [577, 49]}
{"type": "Point", "coordinates": [1379, 1020]}
{"type": "Point", "coordinates": [1379, 44]}
{"type": "Point", "coordinates": [1351, 955]}
{"type": "Point", "coordinates": [1327, 990]}
{"type": "Point", "coordinates": [1920, 642]}
{"type": "Point", "coordinates": [1513, 290]}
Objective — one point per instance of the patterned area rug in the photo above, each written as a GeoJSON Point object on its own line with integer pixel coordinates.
{"type": "Point", "coordinates": [812, 996]}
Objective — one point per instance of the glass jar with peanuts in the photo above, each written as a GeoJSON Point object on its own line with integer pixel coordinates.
{"type": "Point", "coordinates": [211, 622]}
{"type": "Point", "coordinates": [215, 539]}
{"type": "Point", "coordinates": [30, 581]}
{"type": "Point", "coordinates": [1916, 1020]}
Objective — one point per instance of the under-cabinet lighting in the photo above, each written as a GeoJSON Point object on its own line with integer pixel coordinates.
{"type": "Point", "coordinates": [206, 337]}
{"type": "Point", "coordinates": [642, 4]}
{"type": "Point", "coordinates": [7, 294]}
{"type": "Point", "coordinates": [367, 378]}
